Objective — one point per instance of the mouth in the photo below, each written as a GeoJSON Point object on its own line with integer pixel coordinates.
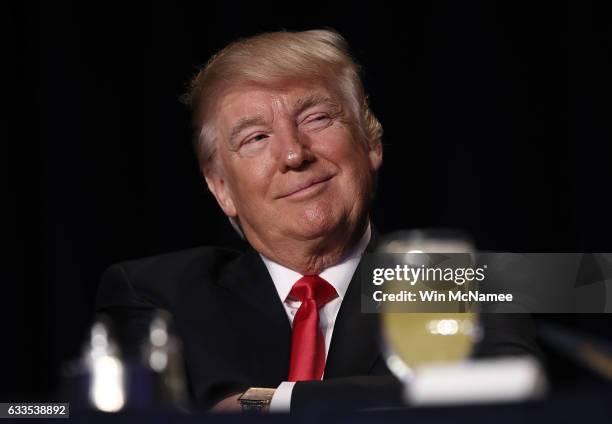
{"type": "Point", "coordinates": [309, 186]}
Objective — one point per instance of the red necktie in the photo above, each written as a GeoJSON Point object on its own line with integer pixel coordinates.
{"type": "Point", "coordinates": [307, 343]}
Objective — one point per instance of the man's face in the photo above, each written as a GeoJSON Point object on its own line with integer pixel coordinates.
{"type": "Point", "coordinates": [290, 167]}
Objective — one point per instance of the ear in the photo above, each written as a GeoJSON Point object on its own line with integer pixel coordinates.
{"type": "Point", "coordinates": [375, 155]}
{"type": "Point", "coordinates": [218, 187]}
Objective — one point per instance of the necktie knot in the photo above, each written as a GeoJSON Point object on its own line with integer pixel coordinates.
{"type": "Point", "coordinates": [313, 287]}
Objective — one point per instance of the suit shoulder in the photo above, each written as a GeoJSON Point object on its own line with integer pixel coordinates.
{"type": "Point", "coordinates": [205, 257]}
{"type": "Point", "coordinates": [158, 279]}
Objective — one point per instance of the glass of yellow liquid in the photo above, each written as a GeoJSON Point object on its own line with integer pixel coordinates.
{"type": "Point", "coordinates": [413, 339]}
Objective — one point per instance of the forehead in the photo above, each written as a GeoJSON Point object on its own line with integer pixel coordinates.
{"type": "Point", "coordinates": [249, 99]}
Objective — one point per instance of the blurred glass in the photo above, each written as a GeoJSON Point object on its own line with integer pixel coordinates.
{"type": "Point", "coordinates": [415, 339]}
{"type": "Point", "coordinates": [107, 382]}
{"type": "Point", "coordinates": [162, 354]}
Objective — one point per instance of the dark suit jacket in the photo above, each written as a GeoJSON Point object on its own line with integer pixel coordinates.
{"type": "Point", "coordinates": [236, 333]}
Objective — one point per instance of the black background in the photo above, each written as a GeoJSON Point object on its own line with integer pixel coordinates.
{"type": "Point", "coordinates": [496, 119]}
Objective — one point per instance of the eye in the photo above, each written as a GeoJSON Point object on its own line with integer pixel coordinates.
{"type": "Point", "coordinates": [255, 138]}
{"type": "Point", "coordinates": [317, 120]}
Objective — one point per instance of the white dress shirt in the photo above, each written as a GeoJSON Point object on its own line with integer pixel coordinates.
{"type": "Point", "coordinates": [339, 276]}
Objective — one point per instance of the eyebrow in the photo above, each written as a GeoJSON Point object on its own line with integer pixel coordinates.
{"type": "Point", "coordinates": [313, 100]}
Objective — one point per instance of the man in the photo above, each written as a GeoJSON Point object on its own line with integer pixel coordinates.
{"type": "Point", "coordinates": [290, 150]}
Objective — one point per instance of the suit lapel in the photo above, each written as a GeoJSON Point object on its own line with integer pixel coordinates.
{"type": "Point", "coordinates": [355, 342]}
{"type": "Point", "coordinates": [263, 320]}
{"type": "Point", "coordinates": [249, 280]}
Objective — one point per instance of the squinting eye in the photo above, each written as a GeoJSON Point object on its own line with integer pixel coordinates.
{"type": "Point", "coordinates": [318, 120]}
{"type": "Point", "coordinates": [255, 138]}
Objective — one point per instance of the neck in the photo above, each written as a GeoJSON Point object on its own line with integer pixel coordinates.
{"type": "Point", "coordinates": [311, 256]}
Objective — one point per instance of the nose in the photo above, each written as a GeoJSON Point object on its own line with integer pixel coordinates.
{"type": "Point", "coordinates": [293, 150]}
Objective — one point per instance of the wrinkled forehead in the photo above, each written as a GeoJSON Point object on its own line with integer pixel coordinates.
{"type": "Point", "coordinates": [232, 91]}
{"type": "Point", "coordinates": [250, 101]}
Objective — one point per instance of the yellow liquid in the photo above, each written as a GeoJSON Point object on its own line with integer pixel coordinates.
{"type": "Point", "coordinates": [421, 338]}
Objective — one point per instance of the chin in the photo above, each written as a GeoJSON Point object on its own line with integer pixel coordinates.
{"type": "Point", "coordinates": [316, 222]}
{"type": "Point", "coordinates": [311, 232]}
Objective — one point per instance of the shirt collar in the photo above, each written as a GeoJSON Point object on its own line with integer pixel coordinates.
{"type": "Point", "coordinates": [339, 275]}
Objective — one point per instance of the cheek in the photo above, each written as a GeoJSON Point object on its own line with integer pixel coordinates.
{"type": "Point", "coordinates": [349, 155]}
{"type": "Point", "coordinates": [248, 181]}
{"type": "Point", "coordinates": [336, 144]}
{"type": "Point", "coordinates": [356, 170]}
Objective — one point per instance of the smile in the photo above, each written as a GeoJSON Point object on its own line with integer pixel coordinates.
{"type": "Point", "coordinates": [310, 187]}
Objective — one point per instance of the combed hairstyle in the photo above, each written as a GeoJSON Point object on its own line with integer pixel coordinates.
{"type": "Point", "coordinates": [271, 59]}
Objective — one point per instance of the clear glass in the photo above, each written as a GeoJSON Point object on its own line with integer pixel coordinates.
{"type": "Point", "coordinates": [415, 339]}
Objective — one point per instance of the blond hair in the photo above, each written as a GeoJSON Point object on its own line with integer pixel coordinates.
{"type": "Point", "coordinates": [273, 58]}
